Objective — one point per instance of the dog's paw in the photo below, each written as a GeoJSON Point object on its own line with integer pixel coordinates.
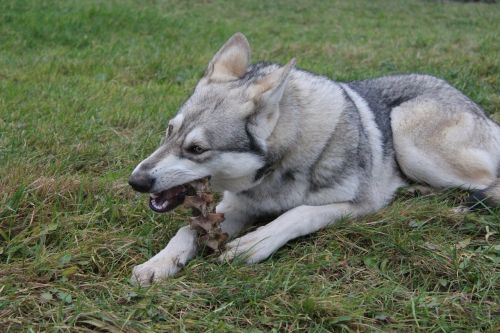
{"type": "Point", "coordinates": [252, 248]}
{"type": "Point", "coordinates": [154, 271]}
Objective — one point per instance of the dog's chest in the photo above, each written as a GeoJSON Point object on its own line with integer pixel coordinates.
{"type": "Point", "coordinates": [276, 195]}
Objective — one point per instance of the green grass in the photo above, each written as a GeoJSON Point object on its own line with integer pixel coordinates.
{"type": "Point", "coordinates": [86, 89]}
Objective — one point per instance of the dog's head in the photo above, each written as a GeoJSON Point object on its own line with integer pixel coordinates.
{"type": "Point", "coordinates": [220, 132]}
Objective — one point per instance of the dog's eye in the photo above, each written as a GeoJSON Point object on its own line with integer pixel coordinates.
{"type": "Point", "coordinates": [195, 149]}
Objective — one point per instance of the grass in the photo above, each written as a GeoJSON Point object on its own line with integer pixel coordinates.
{"type": "Point", "coordinates": [86, 88]}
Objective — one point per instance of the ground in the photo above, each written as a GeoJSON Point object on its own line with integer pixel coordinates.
{"type": "Point", "coordinates": [86, 89]}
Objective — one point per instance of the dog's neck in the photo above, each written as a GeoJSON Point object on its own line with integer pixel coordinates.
{"type": "Point", "coordinates": [301, 124]}
{"type": "Point", "coordinates": [286, 131]}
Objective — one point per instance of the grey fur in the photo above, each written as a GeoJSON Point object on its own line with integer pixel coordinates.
{"type": "Point", "coordinates": [284, 142]}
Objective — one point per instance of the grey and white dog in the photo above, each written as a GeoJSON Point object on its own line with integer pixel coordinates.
{"type": "Point", "coordinates": [287, 143]}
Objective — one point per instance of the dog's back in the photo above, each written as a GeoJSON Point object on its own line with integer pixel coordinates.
{"type": "Point", "coordinates": [440, 136]}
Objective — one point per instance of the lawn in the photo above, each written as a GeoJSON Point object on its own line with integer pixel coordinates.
{"type": "Point", "coordinates": [86, 89]}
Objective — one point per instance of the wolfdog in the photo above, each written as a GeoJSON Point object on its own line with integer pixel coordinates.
{"type": "Point", "coordinates": [283, 142]}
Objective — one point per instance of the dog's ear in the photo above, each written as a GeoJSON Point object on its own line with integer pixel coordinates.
{"type": "Point", "coordinates": [231, 61]}
{"type": "Point", "coordinates": [269, 89]}
{"type": "Point", "coordinates": [267, 93]}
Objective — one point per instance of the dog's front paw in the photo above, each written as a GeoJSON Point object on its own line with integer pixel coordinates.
{"type": "Point", "coordinates": [154, 271]}
{"type": "Point", "coordinates": [253, 247]}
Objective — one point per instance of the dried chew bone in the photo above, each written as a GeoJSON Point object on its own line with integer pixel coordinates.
{"type": "Point", "coordinates": [205, 221]}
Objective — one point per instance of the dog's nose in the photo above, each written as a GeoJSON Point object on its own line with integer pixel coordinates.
{"type": "Point", "coordinates": [141, 182]}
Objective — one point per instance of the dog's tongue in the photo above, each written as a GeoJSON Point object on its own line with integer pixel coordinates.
{"type": "Point", "coordinates": [167, 200]}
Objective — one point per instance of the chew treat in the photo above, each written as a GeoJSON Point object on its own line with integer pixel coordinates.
{"type": "Point", "coordinates": [205, 220]}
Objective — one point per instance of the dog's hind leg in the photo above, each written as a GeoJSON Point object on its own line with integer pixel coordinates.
{"type": "Point", "coordinates": [446, 148]}
{"type": "Point", "coordinates": [300, 221]}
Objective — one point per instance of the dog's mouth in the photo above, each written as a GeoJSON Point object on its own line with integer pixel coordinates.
{"type": "Point", "coordinates": [171, 198]}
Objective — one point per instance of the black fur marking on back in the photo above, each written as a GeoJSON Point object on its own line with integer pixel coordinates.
{"type": "Point", "coordinates": [398, 101]}
{"type": "Point", "coordinates": [380, 108]}
{"type": "Point", "coordinates": [382, 95]}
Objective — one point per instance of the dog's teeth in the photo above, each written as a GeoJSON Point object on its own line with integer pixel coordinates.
{"type": "Point", "coordinates": [155, 204]}
{"type": "Point", "coordinates": [154, 195]}
{"type": "Point", "coordinates": [164, 205]}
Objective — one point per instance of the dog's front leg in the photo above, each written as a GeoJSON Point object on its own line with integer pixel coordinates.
{"type": "Point", "coordinates": [261, 243]}
{"type": "Point", "coordinates": [179, 250]}
{"type": "Point", "coordinates": [183, 246]}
